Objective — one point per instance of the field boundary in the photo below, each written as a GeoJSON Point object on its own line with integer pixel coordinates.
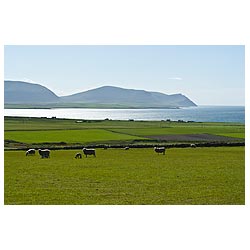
{"type": "Point", "coordinates": [173, 145]}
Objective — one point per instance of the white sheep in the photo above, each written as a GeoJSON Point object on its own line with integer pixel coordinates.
{"type": "Point", "coordinates": [89, 151]}
{"type": "Point", "coordinates": [45, 153]}
{"type": "Point", "coordinates": [31, 151]}
{"type": "Point", "coordinates": [126, 148]}
{"type": "Point", "coordinates": [160, 150]}
{"type": "Point", "coordinates": [192, 145]}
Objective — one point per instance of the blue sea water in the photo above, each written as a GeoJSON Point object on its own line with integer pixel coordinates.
{"type": "Point", "coordinates": [198, 114]}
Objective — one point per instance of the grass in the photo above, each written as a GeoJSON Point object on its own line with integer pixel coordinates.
{"type": "Point", "coordinates": [202, 128]}
{"type": "Point", "coordinates": [42, 130]}
{"type": "Point", "coordinates": [67, 136]}
{"type": "Point", "coordinates": [136, 176]}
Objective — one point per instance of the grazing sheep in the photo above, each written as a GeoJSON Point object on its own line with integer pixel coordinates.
{"type": "Point", "coordinates": [44, 153]}
{"type": "Point", "coordinates": [160, 150]}
{"type": "Point", "coordinates": [192, 145]}
{"type": "Point", "coordinates": [126, 148]}
{"type": "Point", "coordinates": [30, 152]}
{"type": "Point", "coordinates": [89, 151]}
{"type": "Point", "coordinates": [105, 147]}
{"type": "Point", "coordinates": [78, 156]}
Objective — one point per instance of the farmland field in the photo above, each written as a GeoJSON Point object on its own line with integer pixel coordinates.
{"type": "Point", "coordinates": [136, 176]}
{"type": "Point", "coordinates": [201, 175]}
{"type": "Point", "coordinates": [69, 136]}
{"type": "Point", "coordinates": [37, 131]}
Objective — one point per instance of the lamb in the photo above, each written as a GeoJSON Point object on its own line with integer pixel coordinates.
{"type": "Point", "coordinates": [126, 148]}
{"type": "Point", "coordinates": [78, 156]}
{"type": "Point", "coordinates": [30, 152]}
{"type": "Point", "coordinates": [89, 151]}
{"type": "Point", "coordinates": [44, 153]}
{"type": "Point", "coordinates": [160, 150]}
{"type": "Point", "coordinates": [193, 145]}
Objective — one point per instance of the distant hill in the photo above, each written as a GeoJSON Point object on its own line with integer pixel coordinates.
{"type": "Point", "coordinates": [16, 92]}
{"type": "Point", "coordinates": [27, 93]}
{"type": "Point", "coordinates": [128, 97]}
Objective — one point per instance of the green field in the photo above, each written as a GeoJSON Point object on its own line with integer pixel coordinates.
{"type": "Point", "coordinates": [213, 175]}
{"type": "Point", "coordinates": [35, 131]}
{"type": "Point", "coordinates": [68, 136]}
{"type": "Point", "coordinates": [224, 130]}
{"type": "Point", "coordinates": [137, 176]}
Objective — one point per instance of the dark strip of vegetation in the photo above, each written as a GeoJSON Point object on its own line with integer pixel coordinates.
{"type": "Point", "coordinates": [176, 145]}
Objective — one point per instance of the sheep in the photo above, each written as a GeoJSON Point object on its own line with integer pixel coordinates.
{"type": "Point", "coordinates": [105, 147]}
{"type": "Point", "coordinates": [193, 145]}
{"type": "Point", "coordinates": [78, 156]}
{"type": "Point", "coordinates": [160, 150]}
{"type": "Point", "coordinates": [126, 148]}
{"type": "Point", "coordinates": [30, 152]}
{"type": "Point", "coordinates": [89, 151]}
{"type": "Point", "coordinates": [44, 153]}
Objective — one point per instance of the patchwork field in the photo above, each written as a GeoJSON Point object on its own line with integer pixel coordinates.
{"type": "Point", "coordinates": [193, 137]}
{"type": "Point", "coordinates": [26, 132]}
{"type": "Point", "coordinates": [135, 176]}
{"type": "Point", "coordinates": [201, 175]}
{"type": "Point", "coordinates": [68, 136]}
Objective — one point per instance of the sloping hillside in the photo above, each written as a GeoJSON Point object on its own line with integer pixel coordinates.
{"type": "Point", "coordinates": [18, 92]}
{"type": "Point", "coordinates": [131, 97]}
{"type": "Point", "coordinates": [23, 92]}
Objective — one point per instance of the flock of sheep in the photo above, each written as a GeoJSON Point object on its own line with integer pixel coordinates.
{"type": "Point", "coordinates": [45, 153]}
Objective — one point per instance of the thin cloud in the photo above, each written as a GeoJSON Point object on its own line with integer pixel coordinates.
{"type": "Point", "coordinates": [175, 78]}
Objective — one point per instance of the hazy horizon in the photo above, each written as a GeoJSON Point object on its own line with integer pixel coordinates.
{"type": "Point", "coordinates": [208, 75]}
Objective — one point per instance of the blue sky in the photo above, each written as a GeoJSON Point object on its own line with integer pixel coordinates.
{"type": "Point", "coordinates": [208, 75]}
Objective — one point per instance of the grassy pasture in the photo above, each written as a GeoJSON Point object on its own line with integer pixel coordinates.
{"type": "Point", "coordinates": [136, 176]}
{"type": "Point", "coordinates": [28, 123]}
{"type": "Point", "coordinates": [42, 130]}
{"type": "Point", "coordinates": [69, 136]}
{"type": "Point", "coordinates": [225, 130]}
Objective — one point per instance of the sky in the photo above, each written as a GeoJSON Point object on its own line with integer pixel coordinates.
{"type": "Point", "coordinates": [208, 75]}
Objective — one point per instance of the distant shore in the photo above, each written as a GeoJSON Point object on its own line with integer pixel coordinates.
{"type": "Point", "coordinates": [197, 114]}
{"type": "Point", "coordinates": [75, 106]}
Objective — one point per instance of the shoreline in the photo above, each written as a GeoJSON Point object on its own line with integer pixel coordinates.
{"type": "Point", "coordinates": [234, 114]}
{"type": "Point", "coordinates": [116, 120]}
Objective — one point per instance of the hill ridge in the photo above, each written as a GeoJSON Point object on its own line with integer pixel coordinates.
{"type": "Point", "coordinates": [23, 92]}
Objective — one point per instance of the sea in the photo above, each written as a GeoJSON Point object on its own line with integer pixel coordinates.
{"type": "Point", "coordinates": [196, 114]}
